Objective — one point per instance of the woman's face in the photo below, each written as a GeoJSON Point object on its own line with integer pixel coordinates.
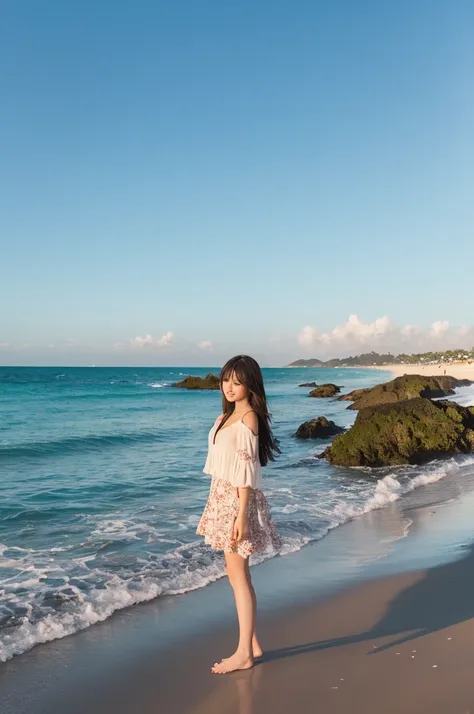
{"type": "Point", "coordinates": [233, 390]}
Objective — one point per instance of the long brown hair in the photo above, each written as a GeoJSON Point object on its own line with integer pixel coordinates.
{"type": "Point", "coordinates": [248, 372]}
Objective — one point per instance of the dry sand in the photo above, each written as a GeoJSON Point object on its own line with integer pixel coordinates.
{"type": "Point", "coordinates": [459, 370]}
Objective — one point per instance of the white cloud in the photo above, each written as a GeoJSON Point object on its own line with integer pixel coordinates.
{"type": "Point", "coordinates": [142, 341]}
{"type": "Point", "coordinates": [465, 330]}
{"type": "Point", "coordinates": [4, 345]}
{"type": "Point", "coordinates": [166, 340]}
{"type": "Point", "coordinates": [308, 336]}
{"type": "Point", "coordinates": [439, 328]}
{"type": "Point", "coordinates": [205, 345]}
{"type": "Point", "coordinates": [149, 341]}
{"type": "Point", "coordinates": [384, 336]}
{"type": "Point", "coordinates": [410, 331]}
{"type": "Point", "coordinates": [354, 331]}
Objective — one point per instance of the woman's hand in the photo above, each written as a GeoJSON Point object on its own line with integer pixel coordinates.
{"type": "Point", "coordinates": [241, 528]}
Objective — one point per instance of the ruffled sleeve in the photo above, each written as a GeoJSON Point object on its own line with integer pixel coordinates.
{"type": "Point", "coordinates": [209, 465]}
{"type": "Point", "coordinates": [247, 462]}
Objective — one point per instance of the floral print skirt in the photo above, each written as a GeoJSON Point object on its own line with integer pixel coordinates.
{"type": "Point", "coordinates": [220, 512]}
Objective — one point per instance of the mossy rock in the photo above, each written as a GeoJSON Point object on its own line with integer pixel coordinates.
{"type": "Point", "coordinates": [354, 395]}
{"type": "Point", "coordinates": [410, 432]}
{"type": "Point", "coordinates": [410, 386]}
{"type": "Point", "coordinates": [308, 384]}
{"type": "Point", "coordinates": [447, 382]}
{"type": "Point", "coordinates": [325, 390]}
{"type": "Point", "coordinates": [319, 428]}
{"type": "Point", "coordinates": [208, 382]}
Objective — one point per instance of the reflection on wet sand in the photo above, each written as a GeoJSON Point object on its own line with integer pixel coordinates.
{"type": "Point", "coordinates": [234, 693]}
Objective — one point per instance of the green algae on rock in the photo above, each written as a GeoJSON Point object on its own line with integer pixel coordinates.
{"type": "Point", "coordinates": [325, 390]}
{"type": "Point", "coordinates": [319, 428]}
{"type": "Point", "coordinates": [410, 386]}
{"type": "Point", "coordinates": [409, 432]}
{"type": "Point", "coordinates": [210, 381]}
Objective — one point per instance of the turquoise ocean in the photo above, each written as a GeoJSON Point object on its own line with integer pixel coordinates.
{"type": "Point", "coordinates": [102, 487]}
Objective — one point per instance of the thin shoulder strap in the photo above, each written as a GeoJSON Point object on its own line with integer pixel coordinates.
{"type": "Point", "coordinates": [242, 420]}
{"type": "Point", "coordinates": [248, 412]}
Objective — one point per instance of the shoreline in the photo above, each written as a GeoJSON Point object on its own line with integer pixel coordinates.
{"type": "Point", "coordinates": [396, 572]}
{"type": "Point", "coordinates": [458, 370]}
{"type": "Point", "coordinates": [377, 580]}
{"type": "Point", "coordinates": [397, 644]}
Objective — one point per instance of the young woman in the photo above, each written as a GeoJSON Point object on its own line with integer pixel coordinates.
{"type": "Point", "coordinates": [236, 518]}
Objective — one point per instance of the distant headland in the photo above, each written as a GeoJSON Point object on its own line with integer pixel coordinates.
{"type": "Point", "coordinates": [374, 359]}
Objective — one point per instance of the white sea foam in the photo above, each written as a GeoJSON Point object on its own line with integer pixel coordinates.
{"type": "Point", "coordinates": [98, 604]}
{"type": "Point", "coordinates": [289, 508]}
{"type": "Point", "coordinates": [138, 540]}
{"type": "Point", "coordinates": [187, 567]}
{"type": "Point", "coordinates": [387, 490]}
{"type": "Point", "coordinates": [465, 396]}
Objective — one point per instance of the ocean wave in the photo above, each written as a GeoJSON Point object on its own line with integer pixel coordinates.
{"type": "Point", "coordinates": [74, 444]}
{"type": "Point", "coordinates": [465, 396]}
{"type": "Point", "coordinates": [108, 531]}
{"type": "Point", "coordinates": [70, 595]}
{"type": "Point", "coordinates": [387, 490]}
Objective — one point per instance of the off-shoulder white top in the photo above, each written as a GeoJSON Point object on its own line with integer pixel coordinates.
{"type": "Point", "coordinates": [235, 456]}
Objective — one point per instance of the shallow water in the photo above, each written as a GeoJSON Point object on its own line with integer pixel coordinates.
{"type": "Point", "coordinates": [101, 470]}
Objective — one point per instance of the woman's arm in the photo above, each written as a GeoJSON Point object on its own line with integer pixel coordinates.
{"type": "Point", "coordinates": [243, 500]}
{"type": "Point", "coordinates": [241, 522]}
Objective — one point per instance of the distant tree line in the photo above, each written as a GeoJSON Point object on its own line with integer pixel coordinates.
{"type": "Point", "coordinates": [446, 356]}
{"type": "Point", "coordinates": [369, 359]}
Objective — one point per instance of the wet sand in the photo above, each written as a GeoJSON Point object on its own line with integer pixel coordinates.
{"type": "Point", "coordinates": [347, 645]}
{"type": "Point", "coordinates": [402, 644]}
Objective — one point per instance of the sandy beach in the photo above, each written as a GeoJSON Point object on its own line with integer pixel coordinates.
{"type": "Point", "coordinates": [376, 615]}
{"type": "Point", "coordinates": [222, 221]}
{"type": "Point", "coordinates": [399, 645]}
{"type": "Point", "coordinates": [395, 638]}
{"type": "Point", "coordinates": [460, 370]}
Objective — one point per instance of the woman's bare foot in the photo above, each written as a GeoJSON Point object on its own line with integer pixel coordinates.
{"type": "Point", "coordinates": [231, 664]}
{"type": "Point", "coordinates": [256, 649]}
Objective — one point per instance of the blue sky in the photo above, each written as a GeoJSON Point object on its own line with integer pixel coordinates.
{"type": "Point", "coordinates": [182, 181]}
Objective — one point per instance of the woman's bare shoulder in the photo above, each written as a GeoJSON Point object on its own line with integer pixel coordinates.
{"type": "Point", "coordinates": [251, 420]}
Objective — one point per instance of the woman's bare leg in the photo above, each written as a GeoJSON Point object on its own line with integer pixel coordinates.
{"type": "Point", "coordinates": [242, 587]}
{"type": "Point", "coordinates": [256, 649]}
